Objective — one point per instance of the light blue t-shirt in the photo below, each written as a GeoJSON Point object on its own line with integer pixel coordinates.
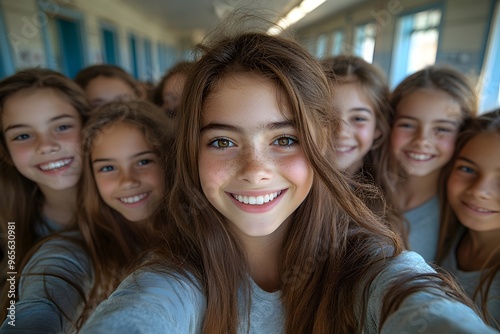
{"type": "Point", "coordinates": [424, 228]}
{"type": "Point", "coordinates": [48, 302]}
{"type": "Point", "coordinates": [151, 302]}
{"type": "Point", "coordinates": [470, 280]}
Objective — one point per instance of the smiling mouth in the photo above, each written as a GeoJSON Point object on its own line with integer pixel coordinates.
{"type": "Point", "coordinates": [55, 164]}
{"type": "Point", "coordinates": [478, 209]}
{"type": "Point", "coordinates": [344, 149]}
{"type": "Point", "coordinates": [257, 200]}
{"type": "Point", "coordinates": [133, 199]}
{"type": "Point", "coordinates": [419, 156]}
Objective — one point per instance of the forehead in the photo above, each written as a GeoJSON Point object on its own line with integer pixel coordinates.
{"type": "Point", "coordinates": [429, 104]}
{"type": "Point", "coordinates": [483, 148]}
{"type": "Point", "coordinates": [245, 98]}
{"type": "Point", "coordinates": [118, 137]}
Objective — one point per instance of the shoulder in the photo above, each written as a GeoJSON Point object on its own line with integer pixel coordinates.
{"type": "Point", "coordinates": [151, 301]}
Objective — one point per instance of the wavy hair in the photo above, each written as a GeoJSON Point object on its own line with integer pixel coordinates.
{"type": "Point", "coordinates": [113, 242]}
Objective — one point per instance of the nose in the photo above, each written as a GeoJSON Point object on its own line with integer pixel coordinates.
{"type": "Point", "coordinates": [47, 144]}
{"type": "Point", "coordinates": [345, 129]}
{"type": "Point", "coordinates": [423, 138]}
{"type": "Point", "coordinates": [254, 167]}
{"type": "Point", "coordinates": [129, 180]}
{"type": "Point", "coordinates": [482, 188]}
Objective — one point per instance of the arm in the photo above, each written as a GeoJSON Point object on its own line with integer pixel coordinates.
{"type": "Point", "coordinates": [428, 311]}
{"type": "Point", "coordinates": [149, 302]}
{"type": "Point", "coordinates": [53, 288]}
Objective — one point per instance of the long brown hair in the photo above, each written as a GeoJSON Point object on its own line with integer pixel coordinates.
{"type": "Point", "coordinates": [436, 77]}
{"type": "Point", "coordinates": [21, 200]}
{"type": "Point", "coordinates": [334, 246]}
{"type": "Point", "coordinates": [347, 69]}
{"type": "Point", "coordinates": [450, 225]}
{"type": "Point", "coordinates": [113, 242]}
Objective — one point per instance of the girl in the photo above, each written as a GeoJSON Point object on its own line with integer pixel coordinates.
{"type": "Point", "coordinates": [123, 181]}
{"type": "Point", "coordinates": [168, 93]}
{"type": "Point", "coordinates": [267, 236]}
{"type": "Point", "coordinates": [431, 107]}
{"type": "Point", "coordinates": [361, 97]}
{"type": "Point", "coordinates": [105, 83]}
{"type": "Point", "coordinates": [470, 227]}
{"type": "Point", "coordinates": [41, 118]}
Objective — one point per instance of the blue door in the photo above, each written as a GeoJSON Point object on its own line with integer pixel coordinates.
{"type": "Point", "coordinates": [70, 44]}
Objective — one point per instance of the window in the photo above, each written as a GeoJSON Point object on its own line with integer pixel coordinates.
{"type": "Point", "coordinates": [364, 41]}
{"type": "Point", "coordinates": [416, 43]}
{"type": "Point", "coordinates": [321, 45]}
{"type": "Point", "coordinates": [337, 42]}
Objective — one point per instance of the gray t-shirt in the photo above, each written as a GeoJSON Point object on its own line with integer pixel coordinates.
{"type": "Point", "coordinates": [151, 302]}
{"type": "Point", "coordinates": [470, 280]}
{"type": "Point", "coordinates": [49, 287]}
{"type": "Point", "coordinates": [424, 228]}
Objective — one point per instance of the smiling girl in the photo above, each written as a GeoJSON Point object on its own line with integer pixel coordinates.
{"type": "Point", "coordinates": [266, 235]}
{"type": "Point", "coordinates": [41, 118]}
{"type": "Point", "coordinates": [431, 107]}
{"type": "Point", "coordinates": [469, 245]}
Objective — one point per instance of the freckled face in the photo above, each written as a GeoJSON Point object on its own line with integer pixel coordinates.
{"type": "Point", "coordinates": [424, 131]}
{"type": "Point", "coordinates": [474, 183]}
{"type": "Point", "coordinates": [251, 165]}
{"type": "Point", "coordinates": [42, 131]}
{"type": "Point", "coordinates": [358, 128]}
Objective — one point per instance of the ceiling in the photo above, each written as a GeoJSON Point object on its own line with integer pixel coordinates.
{"type": "Point", "coordinates": [192, 18]}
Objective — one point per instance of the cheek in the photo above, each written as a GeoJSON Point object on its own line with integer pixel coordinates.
{"type": "Point", "coordinates": [213, 173]}
{"type": "Point", "coordinates": [105, 186]}
{"type": "Point", "coordinates": [447, 146]}
{"type": "Point", "coordinates": [298, 170]}
{"type": "Point", "coordinates": [20, 154]}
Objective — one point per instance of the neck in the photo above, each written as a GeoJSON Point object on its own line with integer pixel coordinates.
{"type": "Point", "coordinates": [476, 248]}
{"type": "Point", "coordinates": [59, 205]}
{"type": "Point", "coordinates": [263, 255]}
{"type": "Point", "coordinates": [416, 190]}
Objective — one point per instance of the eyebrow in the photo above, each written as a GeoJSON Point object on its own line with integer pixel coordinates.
{"type": "Point", "coordinates": [232, 128]}
{"type": "Point", "coordinates": [436, 121]}
{"type": "Point", "coordinates": [466, 160]}
{"type": "Point", "coordinates": [132, 157]}
{"type": "Point", "coordinates": [362, 109]}
{"type": "Point", "coordinates": [53, 119]}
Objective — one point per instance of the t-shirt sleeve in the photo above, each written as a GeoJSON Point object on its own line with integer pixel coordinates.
{"type": "Point", "coordinates": [52, 289]}
{"type": "Point", "coordinates": [150, 302]}
{"type": "Point", "coordinates": [423, 311]}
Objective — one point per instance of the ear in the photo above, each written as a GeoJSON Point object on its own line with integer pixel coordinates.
{"type": "Point", "coordinates": [377, 134]}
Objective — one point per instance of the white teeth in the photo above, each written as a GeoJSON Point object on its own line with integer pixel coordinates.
{"type": "Point", "coordinates": [478, 209]}
{"type": "Point", "coordinates": [343, 149]}
{"type": "Point", "coordinates": [259, 200]}
{"type": "Point", "coordinates": [419, 156]}
{"type": "Point", "coordinates": [55, 164]}
{"type": "Point", "coordinates": [133, 199]}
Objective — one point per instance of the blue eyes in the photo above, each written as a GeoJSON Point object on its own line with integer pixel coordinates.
{"type": "Point", "coordinates": [106, 169]}
{"type": "Point", "coordinates": [21, 137]}
{"type": "Point", "coordinates": [283, 141]}
{"type": "Point", "coordinates": [466, 169]}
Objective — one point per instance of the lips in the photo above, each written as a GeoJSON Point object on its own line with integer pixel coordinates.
{"type": "Point", "coordinates": [344, 149]}
{"type": "Point", "coordinates": [256, 200]}
{"type": "Point", "coordinates": [55, 165]}
{"type": "Point", "coordinates": [478, 209]}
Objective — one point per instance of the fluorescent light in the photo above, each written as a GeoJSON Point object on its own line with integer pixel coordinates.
{"type": "Point", "coordinates": [295, 15]}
